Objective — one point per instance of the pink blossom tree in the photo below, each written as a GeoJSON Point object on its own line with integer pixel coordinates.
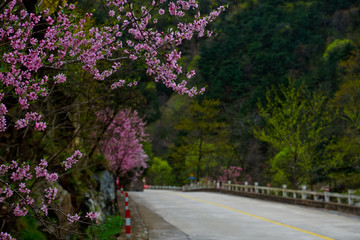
{"type": "Point", "coordinates": [35, 49]}
{"type": "Point", "coordinates": [122, 144]}
{"type": "Point", "coordinates": [232, 173]}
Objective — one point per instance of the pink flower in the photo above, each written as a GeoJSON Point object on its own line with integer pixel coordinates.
{"type": "Point", "coordinates": [60, 78]}
{"type": "Point", "coordinates": [19, 212]}
{"type": "Point", "coordinates": [29, 200]}
{"type": "Point", "coordinates": [111, 13]}
{"type": "Point", "coordinates": [3, 169]}
{"type": "Point", "coordinates": [71, 219]}
{"type": "Point", "coordinates": [2, 124]}
{"type": "Point", "coordinates": [120, 83]}
{"type": "Point", "coordinates": [44, 209]}
{"type": "Point", "coordinates": [3, 109]}
{"type": "Point", "coordinates": [50, 20]}
{"type": "Point", "coordinates": [24, 103]}
{"type": "Point", "coordinates": [40, 126]}
{"type": "Point", "coordinates": [6, 236]}
{"type": "Point", "coordinates": [8, 192]}
{"type": "Point", "coordinates": [32, 96]}
{"type": "Point", "coordinates": [50, 194]}
{"type": "Point", "coordinates": [52, 177]}
{"type": "Point", "coordinates": [92, 215]}
{"type": "Point", "coordinates": [72, 159]}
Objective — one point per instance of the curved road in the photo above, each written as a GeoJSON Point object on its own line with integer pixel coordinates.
{"type": "Point", "coordinates": [213, 216]}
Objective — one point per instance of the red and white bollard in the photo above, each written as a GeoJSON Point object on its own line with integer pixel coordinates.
{"type": "Point", "coordinates": [122, 190]}
{"type": "Point", "coordinates": [126, 201]}
{"type": "Point", "coordinates": [127, 216]}
{"type": "Point", "coordinates": [117, 184]}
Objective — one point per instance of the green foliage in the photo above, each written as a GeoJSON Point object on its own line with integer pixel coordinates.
{"type": "Point", "coordinates": [278, 165]}
{"type": "Point", "coordinates": [208, 160]}
{"type": "Point", "coordinates": [338, 49]}
{"type": "Point", "coordinates": [162, 131]}
{"type": "Point", "coordinates": [344, 161]}
{"type": "Point", "coordinates": [202, 144]}
{"type": "Point", "coordinates": [343, 153]}
{"type": "Point", "coordinates": [294, 122]}
{"type": "Point", "coordinates": [108, 230]}
{"type": "Point", "coordinates": [28, 229]}
{"type": "Point", "coordinates": [259, 46]}
{"type": "Point", "coordinates": [160, 173]}
{"type": "Point", "coordinates": [348, 95]}
{"type": "Point", "coordinates": [52, 5]}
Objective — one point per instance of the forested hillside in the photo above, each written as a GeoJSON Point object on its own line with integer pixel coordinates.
{"type": "Point", "coordinates": [281, 100]}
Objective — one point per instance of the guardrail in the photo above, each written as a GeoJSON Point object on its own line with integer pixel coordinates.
{"type": "Point", "coordinates": [325, 196]}
{"type": "Point", "coordinates": [348, 199]}
{"type": "Point", "coordinates": [165, 187]}
{"type": "Point", "coordinates": [198, 187]}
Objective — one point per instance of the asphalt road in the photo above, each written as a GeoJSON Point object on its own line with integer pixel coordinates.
{"type": "Point", "coordinates": [214, 216]}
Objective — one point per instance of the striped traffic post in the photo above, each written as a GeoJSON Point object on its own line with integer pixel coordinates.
{"type": "Point", "coordinates": [117, 184]}
{"type": "Point", "coordinates": [127, 216]}
{"type": "Point", "coordinates": [126, 201]}
{"type": "Point", "coordinates": [122, 190]}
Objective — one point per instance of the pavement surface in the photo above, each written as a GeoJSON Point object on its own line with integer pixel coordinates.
{"type": "Point", "coordinates": [214, 216]}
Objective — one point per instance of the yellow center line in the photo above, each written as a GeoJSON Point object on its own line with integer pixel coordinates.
{"type": "Point", "coordinates": [258, 217]}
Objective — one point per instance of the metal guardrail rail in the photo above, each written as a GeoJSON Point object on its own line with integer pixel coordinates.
{"type": "Point", "coordinates": [349, 199]}
{"type": "Point", "coordinates": [165, 187]}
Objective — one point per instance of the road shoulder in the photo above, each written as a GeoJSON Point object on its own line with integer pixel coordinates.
{"type": "Point", "coordinates": [157, 227]}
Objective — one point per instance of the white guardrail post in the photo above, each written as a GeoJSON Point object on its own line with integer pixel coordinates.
{"type": "Point", "coordinates": [284, 193]}
{"type": "Point", "coordinates": [350, 200]}
{"type": "Point", "coordinates": [303, 194]}
{"type": "Point", "coordinates": [326, 194]}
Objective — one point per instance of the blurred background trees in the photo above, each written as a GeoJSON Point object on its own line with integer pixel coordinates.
{"type": "Point", "coordinates": [302, 131]}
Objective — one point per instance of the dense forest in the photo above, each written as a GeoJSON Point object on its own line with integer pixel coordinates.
{"type": "Point", "coordinates": [77, 98]}
{"type": "Point", "coordinates": [281, 99]}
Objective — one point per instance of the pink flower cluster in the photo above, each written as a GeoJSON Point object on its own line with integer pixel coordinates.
{"type": "Point", "coordinates": [66, 41]}
{"type": "Point", "coordinates": [231, 173]}
{"type": "Point", "coordinates": [31, 117]}
{"type": "Point", "coordinates": [72, 219]}
{"type": "Point", "coordinates": [92, 215]}
{"type": "Point", "coordinates": [6, 236]}
{"type": "Point", "coordinates": [20, 174]}
{"type": "Point", "coordinates": [122, 145]}
{"type": "Point", "coordinates": [41, 171]}
{"type": "Point", "coordinates": [73, 159]}
{"type": "Point", "coordinates": [50, 194]}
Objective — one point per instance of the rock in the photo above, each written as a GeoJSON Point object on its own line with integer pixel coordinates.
{"type": "Point", "coordinates": [94, 206]}
{"type": "Point", "coordinates": [63, 199]}
{"type": "Point", "coordinates": [135, 186]}
{"type": "Point", "coordinates": [102, 199]}
{"type": "Point", "coordinates": [106, 195]}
